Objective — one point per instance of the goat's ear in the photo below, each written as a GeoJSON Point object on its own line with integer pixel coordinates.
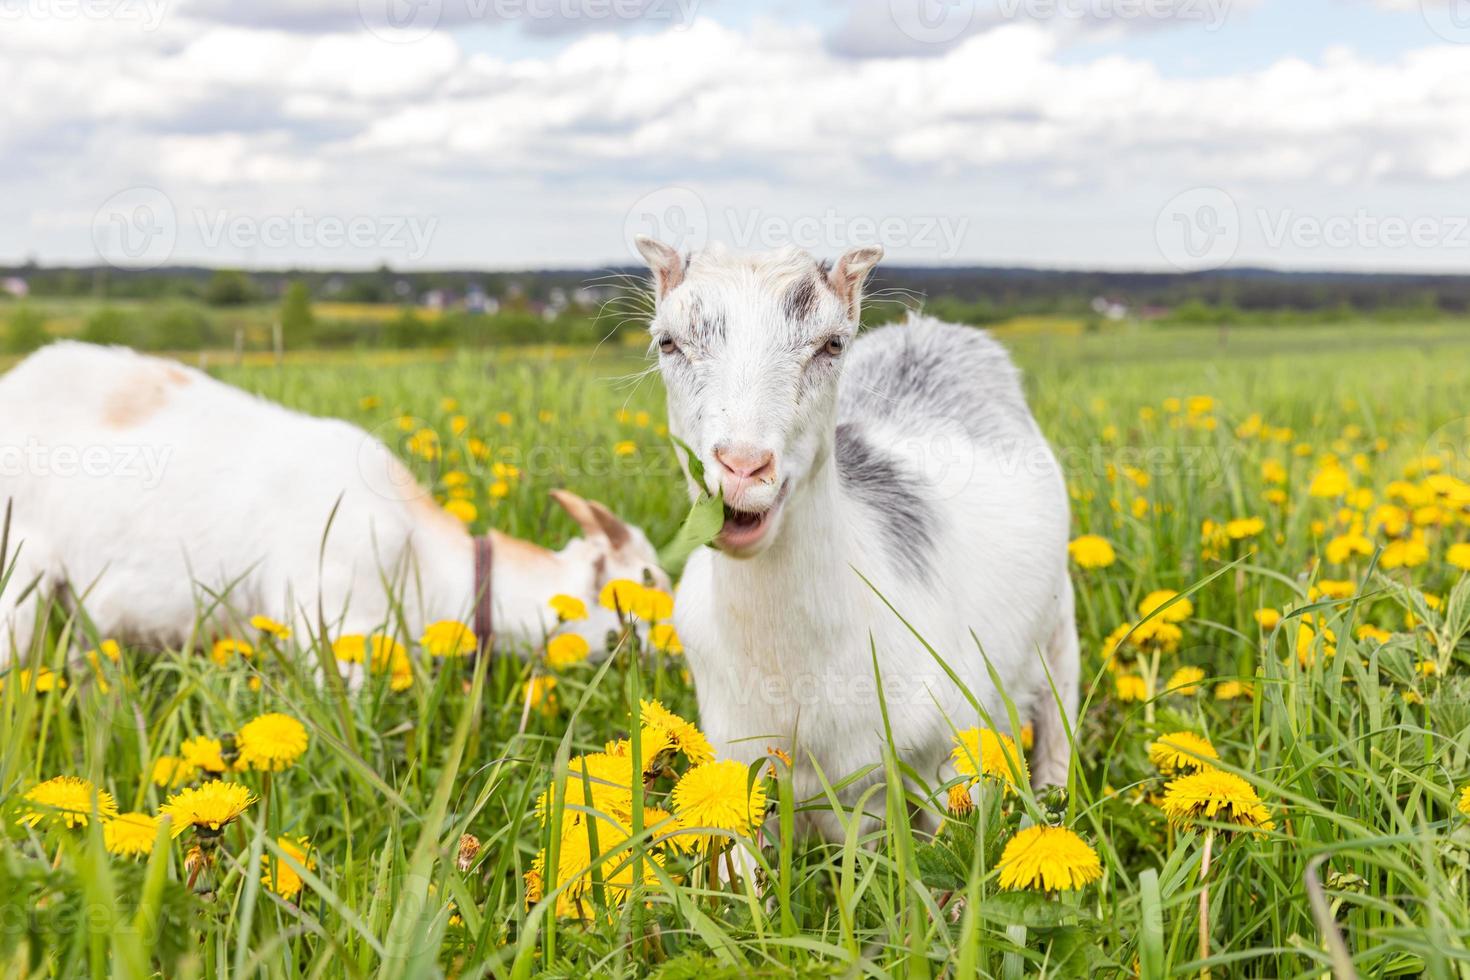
{"type": "Point", "coordinates": [595, 520]}
{"type": "Point", "coordinates": [616, 531]}
{"type": "Point", "coordinates": [666, 264]}
{"type": "Point", "coordinates": [846, 277]}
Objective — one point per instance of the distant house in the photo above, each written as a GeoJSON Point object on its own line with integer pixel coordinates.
{"type": "Point", "coordinates": [15, 286]}
{"type": "Point", "coordinates": [1109, 308]}
{"type": "Point", "coordinates": [476, 300]}
{"type": "Point", "coordinates": [435, 299]}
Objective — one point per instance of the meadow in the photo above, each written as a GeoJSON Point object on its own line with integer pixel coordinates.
{"type": "Point", "coordinates": [1270, 531]}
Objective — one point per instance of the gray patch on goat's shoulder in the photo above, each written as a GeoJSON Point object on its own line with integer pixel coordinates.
{"type": "Point", "coordinates": [876, 480]}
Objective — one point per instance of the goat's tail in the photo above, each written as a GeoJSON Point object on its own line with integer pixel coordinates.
{"type": "Point", "coordinates": [1056, 707]}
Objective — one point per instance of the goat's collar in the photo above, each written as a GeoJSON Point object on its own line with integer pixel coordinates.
{"type": "Point", "coordinates": [484, 610]}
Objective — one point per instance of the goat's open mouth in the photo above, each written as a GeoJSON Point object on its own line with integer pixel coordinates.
{"type": "Point", "coordinates": [744, 528]}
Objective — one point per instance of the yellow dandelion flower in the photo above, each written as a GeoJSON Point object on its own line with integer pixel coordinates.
{"type": "Point", "coordinates": [1048, 859]}
{"type": "Point", "coordinates": [568, 609]}
{"type": "Point", "coordinates": [540, 693]}
{"type": "Point", "coordinates": [279, 876]}
{"type": "Point", "coordinates": [1181, 752]}
{"type": "Point", "coordinates": [1370, 632]}
{"type": "Point", "coordinates": [203, 752]}
{"type": "Point", "coordinates": [1463, 804]}
{"type": "Point", "coordinates": [44, 680]}
{"type": "Point", "coordinates": [448, 638]}
{"type": "Point", "coordinates": [1268, 618]}
{"type": "Point", "coordinates": [625, 448]}
{"type": "Point", "coordinates": [720, 795]}
{"type": "Point", "coordinates": [1213, 794]}
{"type": "Point", "coordinates": [1330, 481]}
{"type": "Point", "coordinates": [621, 595]}
{"type": "Point", "coordinates": [227, 649]}
{"type": "Point", "coordinates": [271, 742]}
{"type": "Point", "coordinates": [351, 648]}
{"type": "Point", "coordinates": [980, 753]}
{"type": "Point", "coordinates": [210, 807]}
{"type": "Point", "coordinates": [663, 636]}
{"type": "Point", "coordinates": [566, 649]}
{"type": "Point", "coordinates": [270, 627]}
{"type": "Point", "coordinates": [69, 800]}
{"type": "Point", "coordinates": [685, 734]}
{"type": "Point", "coordinates": [1185, 681]}
{"type": "Point", "coordinates": [171, 772]}
{"type": "Point", "coordinates": [462, 510]}
{"type": "Point", "coordinates": [1092, 551]}
{"type": "Point", "coordinates": [1459, 556]}
{"type": "Point", "coordinates": [110, 649]}
{"type": "Point", "coordinates": [1233, 690]}
{"type": "Point", "coordinates": [654, 605]}
{"type": "Point", "coordinates": [1244, 527]}
{"type": "Point", "coordinates": [961, 803]}
{"type": "Point", "coordinates": [1130, 687]}
{"type": "Point", "coordinates": [130, 834]}
{"type": "Point", "coordinates": [1176, 613]}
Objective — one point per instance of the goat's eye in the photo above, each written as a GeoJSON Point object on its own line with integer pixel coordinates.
{"type": "Point", "coordinates": [834, 346]}
{"type": "Point", "coordinates": [666, 345]}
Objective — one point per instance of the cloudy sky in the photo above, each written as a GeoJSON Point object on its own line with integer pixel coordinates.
{"type": "Point", "coordinates": [1140, 134]}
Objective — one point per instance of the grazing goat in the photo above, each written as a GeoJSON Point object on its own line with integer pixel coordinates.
{"type": "Point", "coordinates": [146, 490]}
{"type": "Point", "coordinates": [906, 457]}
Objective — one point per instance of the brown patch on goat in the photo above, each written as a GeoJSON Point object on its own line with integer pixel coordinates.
{"type": "Point", "coordinates": [141, 395]}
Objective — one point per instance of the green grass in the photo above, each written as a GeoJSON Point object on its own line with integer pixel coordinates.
{"type": "Point", "coordinates": [1360, 782]}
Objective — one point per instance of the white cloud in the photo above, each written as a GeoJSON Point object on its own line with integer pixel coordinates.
{"type": "Point", "coordinates": [267, 120]}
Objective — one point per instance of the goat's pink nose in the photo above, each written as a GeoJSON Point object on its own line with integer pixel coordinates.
{"type": "Point", "coordinates": [747, 462]}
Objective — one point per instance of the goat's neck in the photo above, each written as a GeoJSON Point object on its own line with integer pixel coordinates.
{"type": "Point", "coordinates": [523, 577]}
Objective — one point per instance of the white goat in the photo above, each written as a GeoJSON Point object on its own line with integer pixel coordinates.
{"type": "Point", "coordinates": [145, 489]}
{"type": "Point", "coordinates": [907, 458]}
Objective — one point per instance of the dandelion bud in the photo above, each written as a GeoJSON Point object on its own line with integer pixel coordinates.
{"type": "Point", "coordinates": [469, 847]}
{"type": "Point", "coordinates": [960, 803]}
{"type": "Point", "coordinates": [229, 750]}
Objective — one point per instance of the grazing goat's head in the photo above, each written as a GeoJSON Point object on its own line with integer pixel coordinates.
{"type": "Point", "coordinates": [610, 548]}
{"type": "Point", "coordinates": [750, 348]}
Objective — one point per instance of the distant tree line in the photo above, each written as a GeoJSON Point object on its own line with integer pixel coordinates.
{"type": "Point", "coordinates": [978, 294]}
